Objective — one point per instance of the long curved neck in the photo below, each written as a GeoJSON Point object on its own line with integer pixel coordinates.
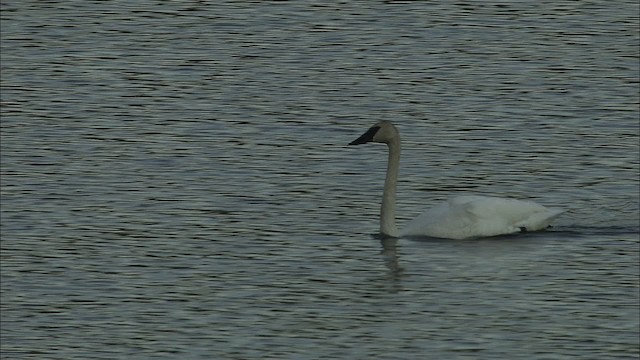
{"type": "Point", "coordinates": [388, 209]}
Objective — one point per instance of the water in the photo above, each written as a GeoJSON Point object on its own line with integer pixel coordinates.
{"type": "Point", "coordinates": [175, 182]}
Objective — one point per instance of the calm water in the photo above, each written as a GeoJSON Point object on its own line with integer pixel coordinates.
{"type": "Point", "coordinates": [175, 183]}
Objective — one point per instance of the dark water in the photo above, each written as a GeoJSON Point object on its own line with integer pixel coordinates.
{"type": "Point", "coordinates": [175, 182]}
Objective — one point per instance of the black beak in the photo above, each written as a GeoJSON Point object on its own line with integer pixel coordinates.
{"type": "Point", "coordinates": [366, 137]}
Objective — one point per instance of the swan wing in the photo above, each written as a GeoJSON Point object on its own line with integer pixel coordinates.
{"type": "Point", "coordinates": [480, 216]}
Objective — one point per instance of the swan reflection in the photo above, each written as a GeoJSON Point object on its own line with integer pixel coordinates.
{"type": "Point", "coordinates": [390, 255]}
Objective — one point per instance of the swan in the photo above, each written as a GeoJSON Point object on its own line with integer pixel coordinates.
{"type": "Point", "coordinates": [462, 217]}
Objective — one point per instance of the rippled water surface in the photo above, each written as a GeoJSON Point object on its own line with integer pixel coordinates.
{"type": "Point", "coordinates": [175, 181]}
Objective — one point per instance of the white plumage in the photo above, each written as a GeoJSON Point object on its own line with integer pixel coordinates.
{"type": "Point", "coordinates": [480, 216]}
{"type": "Point", "coordinates": [461, 217]}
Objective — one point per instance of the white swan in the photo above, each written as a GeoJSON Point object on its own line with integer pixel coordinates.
{"type": "Point", "coordinates": [459, 218]}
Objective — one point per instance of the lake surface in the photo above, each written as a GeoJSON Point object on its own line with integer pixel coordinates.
{"type": "Point", "coordinates": [176, 185]}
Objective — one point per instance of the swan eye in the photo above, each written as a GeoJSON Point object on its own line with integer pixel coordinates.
{"type": "Point", "coordinates": [366, 137]}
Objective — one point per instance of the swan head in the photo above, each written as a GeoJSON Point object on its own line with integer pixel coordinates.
{"type": "Point", "coordinates": [382, 132]}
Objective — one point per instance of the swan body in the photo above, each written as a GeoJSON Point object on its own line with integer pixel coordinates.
{"type": "Point", "coordinates": [461, 217]}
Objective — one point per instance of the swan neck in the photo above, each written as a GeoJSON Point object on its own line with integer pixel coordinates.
{"type": "Point", "coordinates": [388, 209]}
